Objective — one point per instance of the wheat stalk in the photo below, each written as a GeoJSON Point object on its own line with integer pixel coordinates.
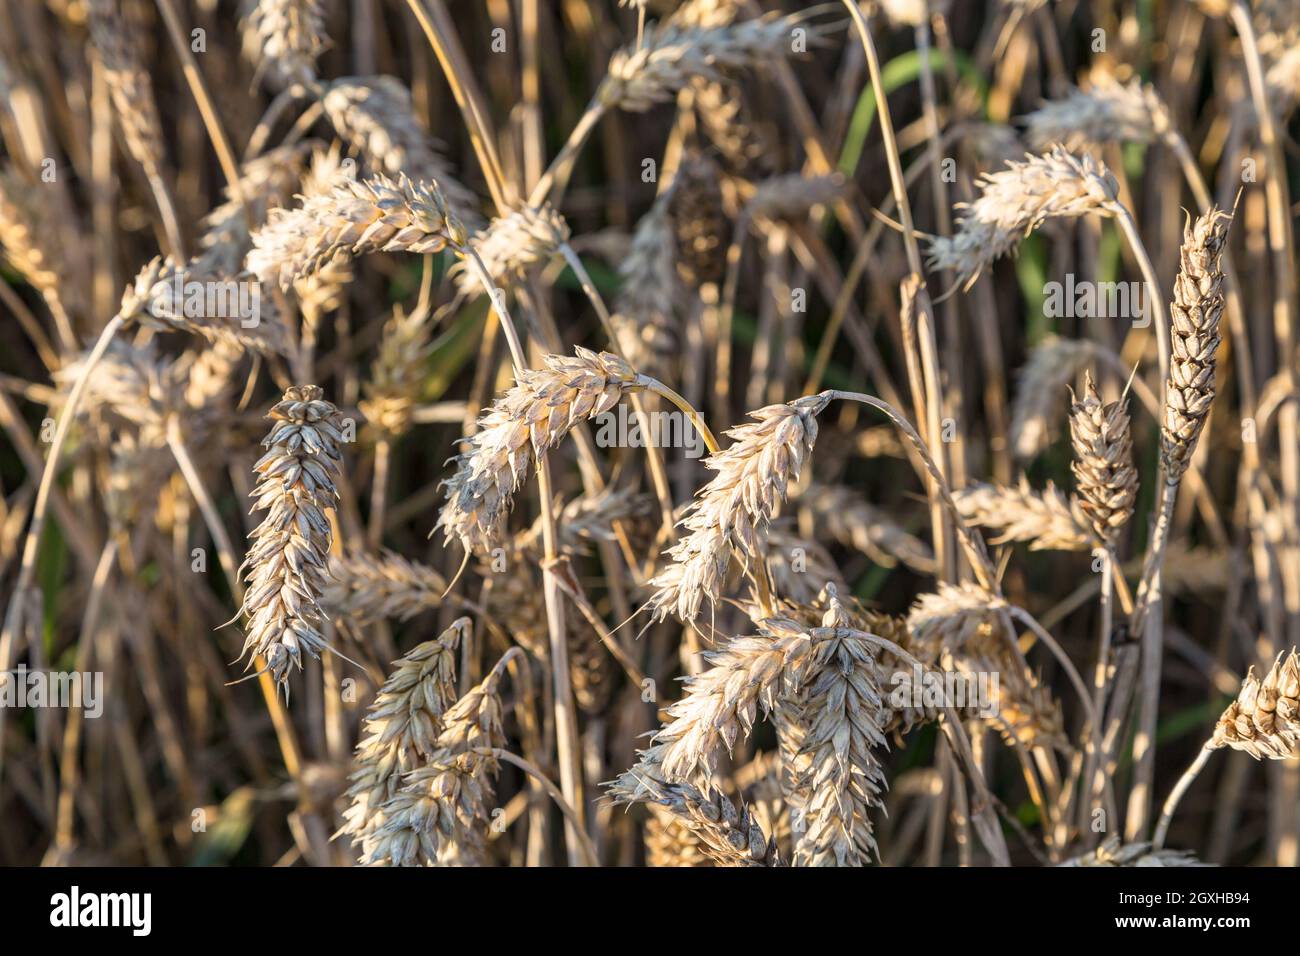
{"type": "Point", "coordinates": [437, 815]}
{"type": "Point", "coordinates": [1040, 397]}
{"type": "Point", "coordinates": [1017, 201]}
{"type": "Point", "coordinates": [520, 427]}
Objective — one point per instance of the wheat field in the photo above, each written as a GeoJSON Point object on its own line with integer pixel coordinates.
{"type": "Point", "coordinates": [649, 433]}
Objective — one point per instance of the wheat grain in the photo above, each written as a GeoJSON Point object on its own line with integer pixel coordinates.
{"type": "Point", "coordinates": [1016, 201]}
{"type": "Point", "coordinates": [354, 218]}
{"type": "Point", "coordinates": [285, 38]}
{"type": "Point", "coordinates": [438, 814]}
{"type": "Point", "coordinates": [375, 116]}
{"type": "Point", "coordinates": [1040, 397]}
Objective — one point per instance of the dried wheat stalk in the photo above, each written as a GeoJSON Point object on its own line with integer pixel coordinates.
{"type": "Point", "coordinates": [719, 706]}
{"type": "Point", "coordinates": [285, 38]}
{"type": "Point", "coordinates": [368, 587]}
{"type": "Point", "coordinates": [129, 84]}
{"type": "Point", "coordinates": [674, 53]}
{"type": "Point", "coordinates": [287, 563]}
{"type": "Point", "coordinates": [515, 244]}
{"type": "Point", "coordinates": [1264, 720]}
{"type": "Point", "coordinates": [729, 836]}
{"type": "Point", "coordinates": [397, 373]}
{"type": "Point", "coordinates": [1195, 312]}
{"type": "Point", "coordinates": [848, 518]}
{"type": "Point", "coordinates": [840, 713]}
{"type": "Point", "coordinates": [1040, 397]}
{"type": "Point", "coordinates": [1107, 112]}
{"type": "Point", "coordinates": [374, 115]}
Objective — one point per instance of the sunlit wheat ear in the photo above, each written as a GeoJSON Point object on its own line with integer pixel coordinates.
{"type": "Point", "coordinates": [1264, 720]}
{"type": "Point", "coordinates": [129, 84]}
{"type": "Point", "coordinates": [398, 372]}
{"type": "Point", "coordinates": [284, 38]}
{"type": "Point", "coordinates": [839, 711]}
{"type": "Point", "coordinates": [287, 561]}
{"type": "Point", "coordinates": [732, 512]}
{"type": "Point", "coordinates": [843, 514]}
{"type": "Point", "coordinates": [1041, 392]}
{"type": "Point", "coordinates": [728, 834]}
{"type": "Point", "coordinates": [719, 707]}
{"type": "Point", "coordinates": [354, 218]}
{"type": "Point", "coordinates": [1046, 520]}
{"type": "Point", "coordinates": [402, 726]}
{"type": "Point", "coordinates": [268, 182]}
{"type": "Point", "coordinates": [1113, 853]}
{"type": "Point", "coordinates": [153, 300]}
{"type": "Point", "coordinates": [674, 53]}
{"type": "Point", "coordinates": [1103, 468]}
{"type": "Point", "coordinates": [515, 244]}
{"type": "Point", "coordinates": [375, 116]}
{"type": "Point", "coordinates": [439, 814]}
{"type": "Point", "coordinates": [1194, 316]}
{"type": "Point", "coordinates": [646, 308]}
{"type": "Point", "coordinates": [524, 423]}
{"type": "Point", "coordinates": [366, 587]}
{"type": "Point", "coordinates": [1014, 202]}
{"type": "Point", "coordinates": [1107, 112]}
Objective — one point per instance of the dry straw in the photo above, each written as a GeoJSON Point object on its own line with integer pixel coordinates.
{"type": "Point", "coordinates": [289, 555]}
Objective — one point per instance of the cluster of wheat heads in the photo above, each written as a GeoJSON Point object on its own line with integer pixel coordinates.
{"type": "Point", "coordinates": [644, 433]}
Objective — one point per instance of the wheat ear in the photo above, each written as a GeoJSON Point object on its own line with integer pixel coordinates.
{"type": "Point", "coordinates": [287, 563]}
